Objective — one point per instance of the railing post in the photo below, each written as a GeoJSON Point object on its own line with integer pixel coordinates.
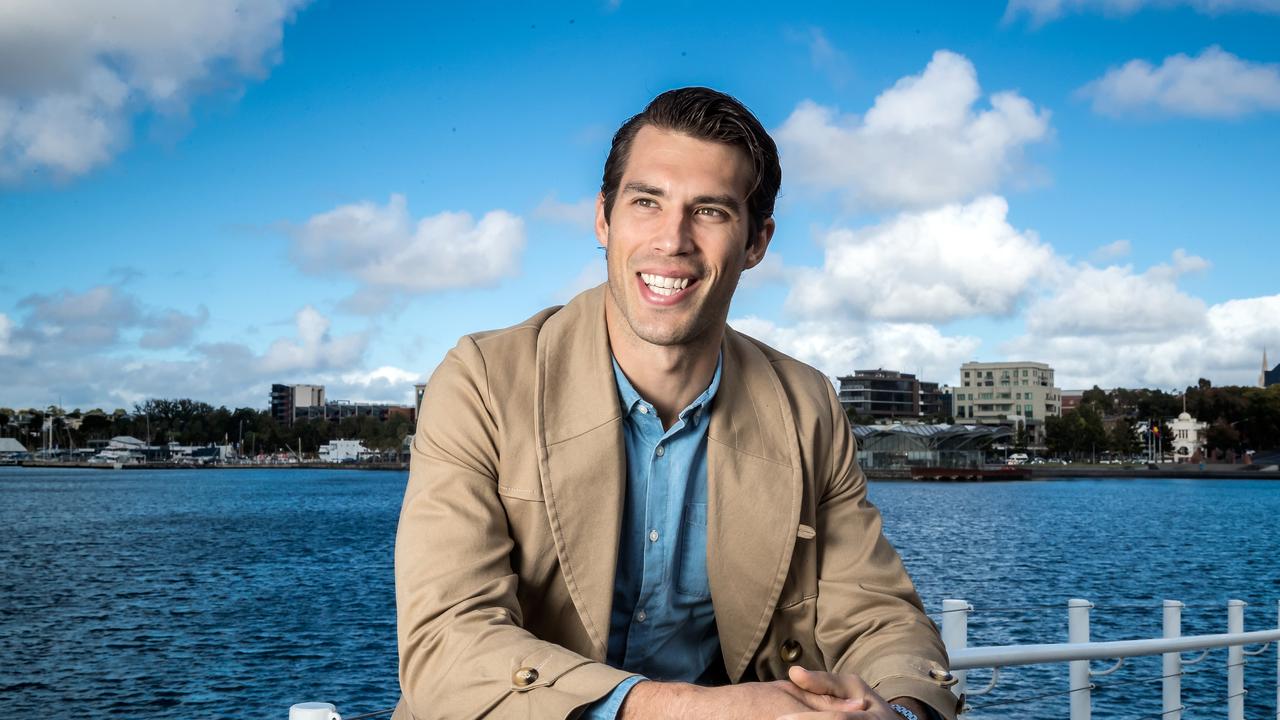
{"type": "Point", "coordinates": [1278, 663]}
{"type": "Point", "coordinates": [955, 635]}
{"type": "Point", "coordinates": [1078, 632]}
{"type": "Point", "coordinates": [1235, 662]}
{"type": "Point", "coordinates": [1172, 680]}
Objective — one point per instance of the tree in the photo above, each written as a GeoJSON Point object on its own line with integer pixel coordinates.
{"type": "Point", "coordinates": [1221, 437]}
{"type": "Point", "coordinates": [1098, 398]}
{"type": "Point", "coordinates": [1123, 439]}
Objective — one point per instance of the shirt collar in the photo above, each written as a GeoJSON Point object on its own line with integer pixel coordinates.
{"type": "Point", "coordinates": [629, 397]}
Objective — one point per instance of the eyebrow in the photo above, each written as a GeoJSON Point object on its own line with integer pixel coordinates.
{"type": "Point", "coordinates": [727, 201]}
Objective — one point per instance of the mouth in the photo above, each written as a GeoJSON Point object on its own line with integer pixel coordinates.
{"type": "Point", "coordinates": [665, 289]}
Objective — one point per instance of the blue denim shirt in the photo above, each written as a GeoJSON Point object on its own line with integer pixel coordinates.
{"type": "Point", "coordinates": [663, 624]}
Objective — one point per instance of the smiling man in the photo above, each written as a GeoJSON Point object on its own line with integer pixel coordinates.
{"type": "Point", "coordinates": [621, 508]}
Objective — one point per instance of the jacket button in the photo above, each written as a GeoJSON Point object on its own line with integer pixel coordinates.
{"type": "Point", "coordinates": [791, 651]}
{"type": "Point", "coordinates": [524, 677]}
{"type": "Point", "coordinates": [943, 677]}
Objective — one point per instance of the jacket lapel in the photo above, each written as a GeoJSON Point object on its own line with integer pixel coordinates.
{"type": "Point", "coordinates": [582, 458]}
{"type": "Point", "coordinates": [754, 488]}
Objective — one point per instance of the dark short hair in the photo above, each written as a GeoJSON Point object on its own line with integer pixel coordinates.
{"type": "Point", "coordinates": [704, 114]}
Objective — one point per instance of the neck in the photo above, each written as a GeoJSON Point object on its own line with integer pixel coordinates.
{"type": "Point", "coordinates": [668, 376]}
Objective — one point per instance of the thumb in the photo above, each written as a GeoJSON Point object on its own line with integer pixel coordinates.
{"type": "Point", "coordinates": [818, 683]}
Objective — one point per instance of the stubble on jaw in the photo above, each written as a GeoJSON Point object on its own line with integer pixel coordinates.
{"type": "Point", "coordinates": [702, 329]}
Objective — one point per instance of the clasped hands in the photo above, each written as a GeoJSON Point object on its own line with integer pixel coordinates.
{"type": "Point", "coordinates": [808, 695]}
{"type": "Point", "coordinates": [830, 696]}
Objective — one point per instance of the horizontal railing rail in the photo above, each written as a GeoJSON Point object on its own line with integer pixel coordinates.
{"type": "Point", "coordinates": [1013, 655]}
{"type": "Point", "coordinates": [1078, 652]}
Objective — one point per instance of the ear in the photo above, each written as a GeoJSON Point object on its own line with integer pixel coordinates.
{"type": "Point", "coordinates": [757, 248]}
{"type": "Point", "coordinates": [602, 222]}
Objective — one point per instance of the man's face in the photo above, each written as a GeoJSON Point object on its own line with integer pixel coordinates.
{"type": "Point", "coordinates": [677, 239]}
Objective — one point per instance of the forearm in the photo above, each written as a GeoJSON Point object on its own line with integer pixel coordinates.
{"type": "Point", "coordinates": [670, 700]}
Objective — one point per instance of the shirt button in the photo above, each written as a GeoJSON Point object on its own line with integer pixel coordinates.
{"type": "Point", "coordinates": [660, 451]}
{"type": "Point", "coordinates": [644, 410]}
{"type": "Point", "coordinates": [653, 536]}
{"type": "Point", "coordinates": [641, 616]}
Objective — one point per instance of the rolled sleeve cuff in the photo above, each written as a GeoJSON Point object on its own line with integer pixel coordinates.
{"type": "Point", "coordinates": [607, 707]}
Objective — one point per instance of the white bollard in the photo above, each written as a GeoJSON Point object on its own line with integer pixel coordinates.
{"type": "Point", "coordinates": [1078, 632]}
{"type": "Point", "coordinates": [955, 635]}
{"type": "Point", "coordinates": [1235, 662]}
{"type": "Point", "coordinates": [1172, 680]}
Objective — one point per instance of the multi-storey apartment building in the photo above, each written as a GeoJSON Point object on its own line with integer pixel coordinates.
{"type": "Point", "coordinates": [287, 400]}
{"type": "Point", "coordinates": [1008, 393]}
{"type": "Point", "coordinates": [887, 394]}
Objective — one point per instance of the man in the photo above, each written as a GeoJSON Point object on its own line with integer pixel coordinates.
{"type": "Point", "coordinates": [623, 508]}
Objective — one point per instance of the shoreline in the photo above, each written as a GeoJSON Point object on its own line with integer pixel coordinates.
{"type": "Point", "coordinates": [1039, 472]}
{"type": "Point", "coordinates": [1183, 471]}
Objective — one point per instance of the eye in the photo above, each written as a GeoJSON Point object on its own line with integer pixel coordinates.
{"type": "Point", "coordinates": [711, 212]}
{"type": "Point", "coordinates": [646, 202]}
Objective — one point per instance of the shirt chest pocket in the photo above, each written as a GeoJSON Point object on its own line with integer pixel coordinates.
{"type": "Point", "coordinates": [691, 554]}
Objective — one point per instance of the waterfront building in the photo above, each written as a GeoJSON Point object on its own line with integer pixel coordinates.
{"type": "Point", "coordinates": [291, 403]}
{"type": "Point", "coordinates": [1015, 394]}
{"type": "Point", "coordinates": [337, 451]}
{"type": "Point", "coordinates": [1188, 436]}
{"type": "Point", "coordinates": [898, 446]}
{"type": "Point", "coordinates": [337, 410]}
{"type": "Point", "coordinates": [11, 449]}
{"type": "Point", "coordinates": [1071, 399]}
{"type": "Point", "coordinates": [888, 394]}
{"type": "Point", "coordinates": [287, 400]}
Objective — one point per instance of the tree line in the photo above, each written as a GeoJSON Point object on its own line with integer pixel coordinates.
{"type": "Point", "coordinates": [1239, 419]}
{"type": "Point", "coordinates": [191, 422]}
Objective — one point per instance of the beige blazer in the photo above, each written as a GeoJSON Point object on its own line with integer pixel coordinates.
{"type": "Point", "coordinates": [508, 535]}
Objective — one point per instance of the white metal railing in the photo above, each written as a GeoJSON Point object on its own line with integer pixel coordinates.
{"type": "Point", "coordinates": [1078, 651]}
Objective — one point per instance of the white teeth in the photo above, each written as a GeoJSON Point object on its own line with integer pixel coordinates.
{"type": "Point", "coordinates": [661, 282]}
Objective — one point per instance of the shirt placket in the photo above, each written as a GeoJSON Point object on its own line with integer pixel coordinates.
{"type": "Point", "coordinates": [660, 532]}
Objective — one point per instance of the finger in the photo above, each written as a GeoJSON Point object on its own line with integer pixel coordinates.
{"type": "Point", "coordinates": [821, 683]}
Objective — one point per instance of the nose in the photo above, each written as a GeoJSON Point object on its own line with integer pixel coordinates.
{"type": "Point", "coordinates": [674, 234]}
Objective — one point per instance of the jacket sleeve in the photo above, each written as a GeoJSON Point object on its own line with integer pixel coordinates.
{"type": "Point", "coordinates": [869, 617]}
{"type": "Point", "coordinates": [463, 650]}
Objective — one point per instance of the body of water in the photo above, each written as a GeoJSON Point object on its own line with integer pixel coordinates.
{"type": "Point", "coordinates": [235, 593]}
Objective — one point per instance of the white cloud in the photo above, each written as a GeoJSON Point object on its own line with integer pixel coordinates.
{"type": "Point", "coordinates": [1115, 301]}
{"type": "Point", "coordinates": [837, 348]}
{"type": "Point", "coordinates": [1114, 250]}
{"type": "Point", "coordinates": [314, 348]}
{"type": "Point", "coordinates": [381, 246]}
{"type": "Point", "coordinates": [1115, 327]}
{"type": "Point", "coordinates": [1043, 11]}
{"type": "Point", "coordinates": [8, 346]}
{"type": "Point", "coordinates": [173, 329]}
{"type": "Point", "coordinates": [100, 318]}
{"type": "Point", "coordinates": [1214, 84]}
{"type": "Point", "coordinates": [580, 214]}
{"type": "Point", "coordinates": [93, 318]}
{"type": "Point", "coordinates": [77, 346]}
{"type": "Point", "coordinates": [921, 144]}
{"type": "Point", "coordinates": [938, 265]}
{"type": "Point", "coordinates": [74, 73]}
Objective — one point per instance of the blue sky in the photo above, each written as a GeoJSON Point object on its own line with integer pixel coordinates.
{"type": "Point", "coordinates": [198, 199]}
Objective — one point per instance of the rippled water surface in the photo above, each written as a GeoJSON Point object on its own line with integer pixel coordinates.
{"type": "Point", "coordinates": [234, 593]}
